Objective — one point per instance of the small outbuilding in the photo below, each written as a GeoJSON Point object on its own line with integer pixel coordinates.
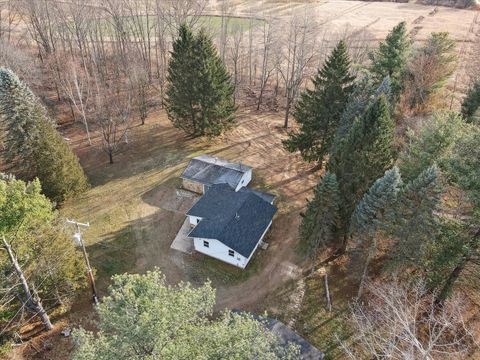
{"type": "Point", "coordinates": [204, 171]}
{"type": "Point", "coordinates": [229, 225]}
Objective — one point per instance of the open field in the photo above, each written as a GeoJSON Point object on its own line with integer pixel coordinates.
{"type": "Point", "coordinates": [340, 18]}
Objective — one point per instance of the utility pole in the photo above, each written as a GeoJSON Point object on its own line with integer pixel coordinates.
{"type": "Point", "coordinates": [78, 239]}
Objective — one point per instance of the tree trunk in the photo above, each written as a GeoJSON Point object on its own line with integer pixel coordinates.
{"type": "Point", "coordinates": [110, 157]}
{"type": "Point", "coordinates": [371, 254]}
{"type": "Point", "coordinates": [327, 291]}
{"type": "Point", "coordinates": [287, 113]}
{"type": "Point", "coordinates": [455, 274]}
{"type": "Point", "coordinates": [32, 301]}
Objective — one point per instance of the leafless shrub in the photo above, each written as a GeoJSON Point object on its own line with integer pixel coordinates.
{"type": "Point", "coordinates": [402, 322]}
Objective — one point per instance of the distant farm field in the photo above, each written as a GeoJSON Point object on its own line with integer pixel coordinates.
{"type": "Point", "coordinates": [134, 26]}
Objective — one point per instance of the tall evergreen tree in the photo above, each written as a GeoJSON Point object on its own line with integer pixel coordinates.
{"type": "Point", "coordinates": [414, 222]}
{"type": "Point", "coordinates": [181, 92]}
{"type": "Point", "coordinates": [364, 93]}
{"type": "Point", "coordinates": [318, 110]}
{"type": "Point", "coordinates": [370, 213]}
{"type": "Point", "coordinates": [390, 59]}
{"type": "Point", "coordinates": [363, 156]}
{"type": "Point", "coordinates": [200, 94]}
{"type": "Point", "coordinates": [319, 225]}
{"type": "Point", "coordinates": [471, 103]}
{"type": "Point", "coordinates": [33, 145]}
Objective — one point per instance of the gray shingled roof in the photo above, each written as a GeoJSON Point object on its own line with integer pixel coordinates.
{"type": "Point", "coordinates": [288, 336]}
{"type": "Point", "coordinates": [237, 219]}
{"type": "Point", "coordinates": [210, 170]}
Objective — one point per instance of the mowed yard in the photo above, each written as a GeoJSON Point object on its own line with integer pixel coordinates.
{"type": "Point", "coordinates": [134, 210]}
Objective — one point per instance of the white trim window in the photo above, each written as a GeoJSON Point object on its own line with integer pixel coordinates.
{"type": "Point", "coordinates": [231, 253]}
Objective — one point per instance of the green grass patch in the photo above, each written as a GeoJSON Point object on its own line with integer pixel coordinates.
{"type": "Point", "coordinates": [320, 326]}
{"type": "Point", "coordinates": [114, 256]}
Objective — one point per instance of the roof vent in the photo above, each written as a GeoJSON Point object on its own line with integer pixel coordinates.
{"type": "Point", "coordinates": [237, 216]}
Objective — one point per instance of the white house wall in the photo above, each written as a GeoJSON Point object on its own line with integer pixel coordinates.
{"type": "Point", "coordinates": [245, 180]}
{"type": "Point", "coordinates": [194, 220]}
{"type": "Point", "coordinates": [219, 251]}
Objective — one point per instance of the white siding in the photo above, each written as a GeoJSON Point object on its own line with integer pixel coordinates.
{"type": "Point", "coordinates": [245, 180]}
{"type": "Point", "coordinates": [194, 220]}
{"type": "Point", "coordinates": [219, 251]}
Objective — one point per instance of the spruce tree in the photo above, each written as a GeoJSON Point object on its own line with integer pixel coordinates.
{"type": "Point", "coordinates": [365, 91]}
{"type": "Point", "coordinates": [390, 59]}
{"type": "Point", "coordinates": [364, 155]}
{"type": "Point", "coordinates": [200, 92]}
{"type": "Point", "coordinates": [413, 222]}
{"type": "Point", "coordinates": [180, 91]}
{"type": "Point", "coordinates": [319, 225]}
{"type": "Point", "coordinates": [471, 104]}
{"type": "Point", "coordinates": [318, 110]}
{"type": "Point", "coordinates": [370, 214]}
{"type": "Point", "coordinates": [33, 145]}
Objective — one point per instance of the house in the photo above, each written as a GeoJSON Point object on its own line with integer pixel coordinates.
{"type": "Point", "coordinates": [287, 336]}
{"type": "Point", "coordinates": [204, 171]}
{"type": "Point", "coordinates": [228, 224]}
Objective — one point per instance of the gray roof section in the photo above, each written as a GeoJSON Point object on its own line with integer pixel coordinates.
{"type": "Point", "coordinates": [288, 336]}
{"type": "Point", "coordinates": [265, 196]}
{"type": "Point", "coordinates": [210, 170]}
{"type": "Point", "coordinates": [237, 219]}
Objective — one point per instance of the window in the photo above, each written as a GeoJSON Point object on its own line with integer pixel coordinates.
{"type": "Point", "coordinates": [231, 253]}
{"type": "Point", "coordinates": [198, 220]}
{"type": "Point", "coordinates": [205, 243]}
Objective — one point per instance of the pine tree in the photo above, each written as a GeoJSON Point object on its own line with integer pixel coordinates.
{"type": "Point", "coordinates": [364, 155]}
{"type": "Point", "coordinates": [370, 213]}
{"type": "Point", "coordinates": [471, 104]}
{"type": "Point", "coordinates": [365, 91]}
{"type": "Point", "coordinates": [413, 222]}
{"type": "Point", "coordinates": [20, 111]}
{"type": "Point", "coordinates": [390, 59]}
{"type": "Point", "coordinates": [200, 92]}
{"type": "Point", "coordinates": [319, 225]}
{"type": "Point", "coordinates": [181, 92]}
{"type": "Point", "coordinates": [33, 145]}
{"type": "Point", "coordinates": [144, 317]}
{"type": "Point", "coordinates": [318, 110]}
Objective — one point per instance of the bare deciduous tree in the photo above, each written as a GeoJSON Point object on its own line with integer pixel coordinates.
{"type": "Point", "coordinates": [76, 84]}
{"type": "Point", "coordinates": [112, 110]}
{"type": "Point", "coordinates": [401, 322]}
{"type": "Point", "coordinates": [299, 50]}
{"type": "Point", "coordinates": [269, 56]}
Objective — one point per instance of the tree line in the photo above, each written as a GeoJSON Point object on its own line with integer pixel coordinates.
{"type": "Point", "coordinates": [379, 195]}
